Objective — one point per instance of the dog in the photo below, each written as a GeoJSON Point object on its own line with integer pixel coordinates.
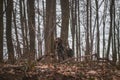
{"type": "Point", "coordinates": [62, 52]}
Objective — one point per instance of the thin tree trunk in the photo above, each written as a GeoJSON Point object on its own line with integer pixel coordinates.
{"type": "Point", "coordinates": [118, 40]}
{"type": "Point", "coordinates": [76, 28]}
{"type": "Point", "coordinates": [114, 53]}
{"type": "Point", "coordinates": [87, 52]}
{"type": "Point", "coordinates": [79, 30]}
{"type": "Point", "coordinates": [110, 30]}
{"type": "Point", "coordinates": [91, 35]}
{"type": "Point", "coordinates": [18, 52]}
{"type": "Point", "coordinates": [98, 34]}
{"type": "Point", "coordinates": [104, 21]}
{"type": "Point", "coordinates": [22, 26]}
{"type": "Point", "coordinates": [26, 30]}
{"type": "Point", "coordinates": [1, 31]}
{"type": "Point", "coordinates": [73, 21]}
{"type": "Point", "coordinates": [39, 33]}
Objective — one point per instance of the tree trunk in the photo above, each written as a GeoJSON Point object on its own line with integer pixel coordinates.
{"type": "Point", "coordinates": [1, 31]}
{"type": "Point", "coordinates": [114, 49]}
{"type": "Point", "coordinates": [79, 30]}
{"type": "Point", "coordinates": [118, 40]}
{"type": "Point", "coordinates": [110, 30]}
{"type": "Point", "coordinates": [31, 24]}
{"type": "Point", "coordinates": [9, 31]}
{"type": "Point", "coordinates": [50, 26]}
{"type": "Point", "coordinates": [104, 23]}
{"type": "Point", "coordinates": [98, 34]}
{"type": "Point", "coordinates": [91, 30]}
{"type": "Point", "coordinates": [18, 51]}
{"type": "Point", "coordinates": [65, 21]}
{"type": "Point", "coordinates": [39, 33]}
{"type": "Point", "coordinates": [87, 52]}
{"type": "Point", "coordinates": [24, 28]}
{"type": "Point", "coordinates": [73, 22]}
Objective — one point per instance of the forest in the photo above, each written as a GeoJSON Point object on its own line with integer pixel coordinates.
{"type": "Point", "coordinates": [59, 39]}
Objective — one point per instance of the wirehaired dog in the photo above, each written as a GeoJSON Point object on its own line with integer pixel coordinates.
{"type": "Point", "coordinates": [62, 51]}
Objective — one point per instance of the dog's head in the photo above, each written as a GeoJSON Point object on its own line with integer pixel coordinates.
{"type": "Point", "coordinates": [58, 41]}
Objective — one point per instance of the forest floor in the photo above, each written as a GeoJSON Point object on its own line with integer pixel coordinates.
{"type": "Point", "coordinates": [92, 70]}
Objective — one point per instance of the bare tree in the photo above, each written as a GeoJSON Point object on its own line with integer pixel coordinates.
{"type": "Point", "coordinates": [18, 49]}
{"type": "Point", "coordinates": [1, 31]}
{"type": "Point", "coordinates": [118, 38]}
{"type": "Point", "coordinates": [31, 24]}
{"type": "Point", "coordinates": [50, 26]}
{"type": "Point", "coordinates": [73, 22]}
{"type": "Point", "coordinates": [110, 30]}
{"type": "Point", "coordinates": [104, 23]}
{"type": "Point", "coordinates": [98, 32]}
{"type": "Point", "coordinates": [9, 31]}
{"type": "Point", "coordinates": [39, 36]}
{"type": "Point", "coordinates": [79, 29]}
{"type": "Point", "coordinates": [87, 52]}
{"type": "Point", "coordinates": [65, 21]}
{"type": "Point", "coordinates": [114, 48]}
{"type": "Point", "coordinates": [24, 28]}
